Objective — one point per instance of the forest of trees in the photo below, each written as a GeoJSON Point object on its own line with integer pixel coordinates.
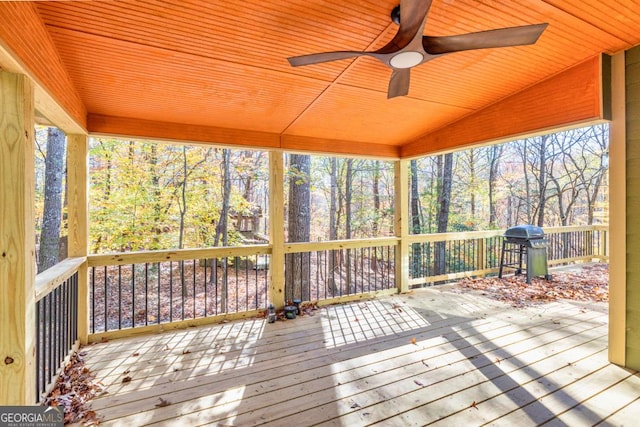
{"type": "Point", "coordinates": [148, 195]}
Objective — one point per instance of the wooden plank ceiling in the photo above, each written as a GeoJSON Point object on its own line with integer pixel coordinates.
{"type": "Point", "coordinates": [222, 65]}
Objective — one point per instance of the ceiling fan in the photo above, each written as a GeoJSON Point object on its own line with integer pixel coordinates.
{"type": "Point", "coordinates": [409, 47]}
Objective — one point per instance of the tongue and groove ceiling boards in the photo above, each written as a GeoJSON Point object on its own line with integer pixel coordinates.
{"type": "Point", "coordinates": [218, 71]}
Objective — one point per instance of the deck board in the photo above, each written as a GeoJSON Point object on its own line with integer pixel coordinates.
{"type": "Point", "coordinates": [356, 364]}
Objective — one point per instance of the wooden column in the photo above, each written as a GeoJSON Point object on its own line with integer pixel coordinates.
{"type": "Point", "coordinates": [402, 224]}
{"type": "Point", "coordinates": [617, 214]}
{"type": "Point", "coordinates": [276, 228]}
{"type": "Point", "coordinates": [78, 222]}
{"type": "Point", "coordinates": [17, 241]}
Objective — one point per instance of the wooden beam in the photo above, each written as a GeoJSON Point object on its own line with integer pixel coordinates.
{"type": "Point", "coordinates": [566, 99]}
{"type": "Point", "coordinates": [276, 229]}
{"type": "Point", "coordinates": [337, 147]}
{"type": "Point", "coordinates": [27, 48]}
{"type": "Point", "coordinates": [149, 129]}
{"type": "Point", "coordinates": [17, 241]}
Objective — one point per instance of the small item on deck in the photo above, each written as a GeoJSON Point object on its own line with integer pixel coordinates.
{"type": "Point", "coordinates": [271, 313]}
{"type": "Point", "coordinates": [297, 303]}
{"type": "Point", "coordinates": [290, 311]}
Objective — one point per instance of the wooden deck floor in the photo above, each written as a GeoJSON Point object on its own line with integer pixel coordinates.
{"type": "Point", "coordinates": [434, 356]}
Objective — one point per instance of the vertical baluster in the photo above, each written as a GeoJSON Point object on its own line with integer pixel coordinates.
{"type": "Point", "coordinates": [235, 269]}
{"type": "Point", "coordinates": [105, 299]}
{"type": "Point", "coordinates": [133, 295]}
{"type": "Point", "coordinates": [170, 291]}
{"type": "Point", "coordinates": [146, 293]}
{"type": "Point", "coordinates": [38, 349]}
{"type": "Point", "coordinates": [257, 258]}
{"type": "Point", "coordinates": [158, 318]}
{"type": "Point", "coordinates": [50, 338]}
{"type": "Point", "coordinates": [119, 297]}
{"type": "Point", "coordinates": [183, 287]}
{"type": "Point", "coordinates": [93, 300]}
{"type": "Point", "coordinates": [194, 288]}
{"type": "Point", "coordinates": [205, 287]}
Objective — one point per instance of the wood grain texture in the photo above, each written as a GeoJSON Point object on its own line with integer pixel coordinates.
{"type": "Point", "coordinates": [632, 172]}
{"type": "Point", "coordinates": [568, 98]}
{"type": "Point", "coordinates": [24, 35]}
{"type": "Point", "coordinates": [223, 66]}
{"type": "Point", "coordinates": [17, 241]}
{"type": "Point", "coordinates": [617, 214]}
{"type": "Point", "coordinates": [276, 229]}
{"type": "Point", "coordinates": [400, 360]}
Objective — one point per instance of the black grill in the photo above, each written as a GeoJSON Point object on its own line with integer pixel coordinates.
{"type": "Point", "coordinates": [525, 242]}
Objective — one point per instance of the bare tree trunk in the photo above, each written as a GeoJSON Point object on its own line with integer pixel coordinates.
{"type": "Point", "coordinates": [297, 268]}
{"type": "Point", "coordinates": [52, 216]}
{"type": "Point", "coordinates": [495, 152]}
{"type": "Point", "coordinates": [416, 252]}
{"type": "Point", "coordinates": [472, 181]}
{"type": "Point", "coordinates": [333, 226]}
{"type": "Point", "coordinates": [348, 193]}
{"type": "Point", "coordinates": [442, 216]}
{"type": "Point", "coordinates": [542, 179]}
{"type": "Point", "coordinates": [222, 230]}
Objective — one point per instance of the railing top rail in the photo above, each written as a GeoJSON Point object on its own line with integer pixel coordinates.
{"type": "Point", "coordinates": [125, 258]}
{"type": "Point", "coordinates": [340, 244]}
{"type": "Point", "coordinates": [483, 234]}
{"type": "Point", "coordinates": [459, 235]}
{"type": "Point", "coordinates": [49, 279]}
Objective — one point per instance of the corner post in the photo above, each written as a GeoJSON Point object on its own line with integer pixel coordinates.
{"type": "Point", "coordinates": [77, 214]}
{"type": "Point", "coordinates": [17, 241]}
{"type": "Point", "coordinates": [617, 215]}
{"type": "Point", "coordinates": [401, 176]}
{"type": "Point", "coordinates": [276, 229]}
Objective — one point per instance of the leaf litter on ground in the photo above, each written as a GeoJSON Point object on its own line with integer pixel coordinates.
{"type": "Point", "coordinates": [588, 283]}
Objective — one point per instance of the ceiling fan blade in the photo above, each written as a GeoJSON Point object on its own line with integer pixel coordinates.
{"type": "Point", "coordinates": [399, 83]}
{"type": "Point", "coordinates": [413, 15]}
{"type": "Point", "coordinates": [503, 37]}
{"type": "Point", "coordinates": [316, 58]}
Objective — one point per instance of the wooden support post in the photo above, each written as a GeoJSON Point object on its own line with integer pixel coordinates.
{"type": "Point", "coordinates": [77, 214]}
{"type": "Point", "coordinates": [617, 213]}
{"type": "Point", "coordinates": [482, 258]}
{"type": "Point", "coordinates": [17, 241]}
{"type": "Point", "coordinates": [276, 228]}
{"type": "Point", "coordinates": [402, 224]}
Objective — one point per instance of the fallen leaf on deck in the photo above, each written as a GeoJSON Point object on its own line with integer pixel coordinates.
{"type": "Point", "coordinates": [126, 380]}
{"type": "Point", "coordinates": [355, 405]}
{"type": "Point", "coordinates": [126, 372]}
{"type": "Point", "coordinates": [162, 403]}
{"type": "Point", "coordinates": [418, 383]}
{"type": "Point", "coordinates": [413, 341]}
{"type": "Point", "coordinates": [474, 405]}
{"type": "Point", "coordinates": [186, 352]}
{"type": "Point", "coordinates": [136, 354]}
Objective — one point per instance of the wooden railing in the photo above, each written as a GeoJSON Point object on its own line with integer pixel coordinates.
{"type": "Point", "coordinates": [56, 321]}
{"type": "Point", "coordinates": [138, 292]}
{"type": "Point", "coordinates": [435, 258]}
{"type": "Point", "coordinates": [154, 290]}
{"type": "Point", "coordinates": [340, 270]}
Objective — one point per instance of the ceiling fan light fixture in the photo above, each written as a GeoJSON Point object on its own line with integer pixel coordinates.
{"type": "Point", "coordinates": [406, 59]}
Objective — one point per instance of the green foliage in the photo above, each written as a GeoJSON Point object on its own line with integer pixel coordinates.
{"type": "Point", "coordinates": [136, 195]}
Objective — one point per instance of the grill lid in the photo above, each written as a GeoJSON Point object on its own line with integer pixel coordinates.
{"type": "Point", "coordinates": [525, 232]}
